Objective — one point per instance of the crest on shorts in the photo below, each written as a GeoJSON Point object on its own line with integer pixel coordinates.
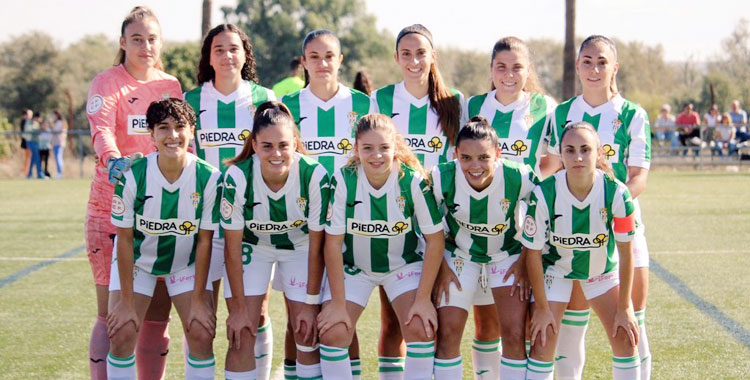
{"type": "Point", "coordinates": [458, 263]}
{"type": "Point", "coordinates": [505, 205]}
{"type": "Point", "coordinates": [302, 204]}
{"type": "Point", "coordinates": [401, 201]}
{"type": "Point", "coordinates": [529, 119]}
{"type": "Point", "coordinates": [616, 123]}
{"type": "Point", "coordinates": [196, 198]}
{"type": "Point", "coordinates": [352, 118]}
{"type": "Point", "coordinates": [603, 214]}
{"type": "Point", "coordinates": [548, 281]}
{"type": "Point", "coordinates": [226, 209]}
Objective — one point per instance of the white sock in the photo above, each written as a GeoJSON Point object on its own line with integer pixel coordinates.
{"type": "Point", "coordinates": [449, 369]}
{"type": "Point", "coordinates": [290, 370]}
{"type": "Point", "coordinates": [512, 369]}
{"type": "Point", "coordinates": [644, 351]}
{"type": "Point", "coordinates": [485, 359]}
{"type": "Point", "coordinates": [120, 368]}
{"type": "Point", "coordinates": [539, 370]}
{"type": "Point", "coordinates": [628, 368]}
{"type": "Point", "coordinates": [420, 359]}
{"type": "Point", "coordinates": [249, 375]}
{"type": "Point", "coordinates": [571, 345]}
{"type": "Point", "coordinates": [334, 363]}
{"type": "Point", "coordinates": [264, 351]}
{"type": "Point", "coordinates": [390, 368]}
{"type": "Point", "coordinates": [200, 369]}
{"type": "Point", "coordinates": [308, 372]}
{"type": "Point", "coordinates": [356, 368]}
{"type": "Point", "coordinates": [528, 348]}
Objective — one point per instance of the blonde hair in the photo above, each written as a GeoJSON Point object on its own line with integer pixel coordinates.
{"type": "Point", "coordinates": [601, 162]}
{"type": "Point", "coordinates": [137, 14]}
{"type": "Point", "coordinates": [402, 153]}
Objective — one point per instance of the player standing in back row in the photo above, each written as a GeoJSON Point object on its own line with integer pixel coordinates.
{"type": "Point", "coordinates": [624, 130]}
{"type": "Point", "coordinates": [225, 103]}
{"type": "Point", "coordinates": [116, 110]}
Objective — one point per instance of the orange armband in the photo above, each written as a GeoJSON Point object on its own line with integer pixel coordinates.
{"type": "Point", "coordinates": [625, 225]}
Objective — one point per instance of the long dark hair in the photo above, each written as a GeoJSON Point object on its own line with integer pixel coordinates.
{"type": "Point", "coordinates": [362, 82]}
{"type": "Point", "coordinates": [136, 14]}
{"type": "Point", "coordinates": [267, 114]}
{"type": "Point", "coordinates": [442, 100]}
{"type": "Point", "coordinates": [515, 44]}
{"type": "Point", "coordinates": [478, 128]}
{"type": "Point", "coordinates": [309, 37]}
{"type": "Point", "coordinates": [206, 72]}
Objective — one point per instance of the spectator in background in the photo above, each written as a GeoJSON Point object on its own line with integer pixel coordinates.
{"type": "Point", "coordinates": [45, 144]}
{"type": "Point", "coordinates": [294, 82]}
{"type": "Point", "coordinates": [711, 120]}
{"type": "Point", "coordinates": [31, 134]}
{"type": "Point", "coordinates": [59, 137]}
{"type": "Point", "coordinates": [739, 119]}
{"type": "Point", "coordinates": [724, 137]}
{"type": "Point", "coordinates": [665, 127]}
{"type": "Point", "coordinates": [688, 123]}
{"type": "Point", "coordinates": [362, 82]}
{"type": "Point", "coordinates": [28, 116]}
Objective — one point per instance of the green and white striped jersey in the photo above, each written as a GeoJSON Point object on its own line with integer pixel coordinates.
{"type": "Point", "coordinates": [417, 122]}
{"type": "Point", "coordinates": [280, 220]}
{"type": "Point", "coordinates": [579, 234]}
{"type": "Point", "coordinates": [521, 126]}
{"type": "Point", "coordinates": [327, 128]}
{"type": "Point", "coordinates": [482, 224]}
{"type": "Point", "coordinates": [623, 129]}
{"type": "Point", "coordinates": [166, 217]}
{"type": "Point", "coordinates": [224, 121]}
{"type": "Point", "coordinates": [383, 227]}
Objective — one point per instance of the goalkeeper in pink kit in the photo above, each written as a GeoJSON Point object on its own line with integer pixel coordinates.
{"type": "Point", "coordinates": [116, 109]}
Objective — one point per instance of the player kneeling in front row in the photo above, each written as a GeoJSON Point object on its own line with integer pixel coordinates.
{"type": "Point", "coordinates": [384, 216]}
{"type": "Point", "coordinates": [587, 219]}
{"type": "Point", "coordinates": [163, 209]}
{"type": "Point", "coordinates": [273, 212]}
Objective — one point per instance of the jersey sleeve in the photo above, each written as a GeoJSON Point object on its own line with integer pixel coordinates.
{"type": "Point", "coordinates": [639, 150]}
{"type": "Point", "coordinates": [425, 208]}
{"type": "Point", "coordinates": [336, 215]}
{"type": "Point", "coordinates": [318, 188]}
{"type": "Point", "coordinates": [548, 126]}
{"type": "Point", "coordinates": [101, 110]}
{"type": "Point", "coordinates": [123, 202]}
{"type": "Point", "coordinates": [437, 185]}
{"type": "Point", "coordinates": [534, 231]}
{"type": "Point", "coordinates": [233, 199]}
{"type": "Point", "coordinates": [212, 192]}
{"type": "Point", "coordinates": [553, 135]}
{"type": "Point", "coordinates": [464, 107]}
{"type": "Point", "coordinates": [623, 209]}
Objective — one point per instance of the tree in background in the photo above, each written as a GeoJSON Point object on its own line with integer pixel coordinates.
{"type": "Point", "coordinates": [181, 60]}
{"type": "Point", "coordinates": [277, 27]}
{"type": "Point", "coordinates": [206, 17]}
{"type": "Point", "coordinates": [569, 51]}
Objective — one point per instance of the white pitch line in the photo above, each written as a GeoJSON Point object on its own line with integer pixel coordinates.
{"type": "Point", "coordinates": [24, 258]}
{"type": "Point", "coordinates": [700, 252]}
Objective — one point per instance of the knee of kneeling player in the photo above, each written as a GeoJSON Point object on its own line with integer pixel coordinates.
{"type": "Point", "coordinates": [337, 336]}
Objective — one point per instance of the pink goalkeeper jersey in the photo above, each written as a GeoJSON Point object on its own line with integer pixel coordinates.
{"type": "Point", "coordinates": [117, 111]}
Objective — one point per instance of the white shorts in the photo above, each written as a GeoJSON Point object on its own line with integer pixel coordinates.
{"type": "Point", "coordinates": [640, 248]}
{"type": "Point", "coordinates": [144, 283]}
{"type": "Point", "coordinates": [558, 289]}
{"type": "Point", "coordinates": [358, 285]}
{"type": "Point", "coordinates": [258, 269]}
{"type": "Point", "coordinates": [216, 270]}
{"type": "Point", "coordinates": [469, 274]}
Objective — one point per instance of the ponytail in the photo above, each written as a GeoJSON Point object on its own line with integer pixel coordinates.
{"type": "Point", "coordinates": [137, 14]}
{"type": "Point", "coordinates": [611, 45]}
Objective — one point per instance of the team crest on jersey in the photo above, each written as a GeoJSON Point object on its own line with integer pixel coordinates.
{"type": "Point", "coordinates": [353, 117]}
{"type": "Point", "coordinates": [94, 104]}
{"type": "Point", "coordinates": [251, 109]}
{"type": "Point", "coordinates": [603, 214]}
{"type": "Point", "coordinates": [118, 206]}
{"type": "Point", "coordinates": [226, 209]}
{"type": "Point", "coordinates": [458, 263]}
{"type": "Point", "coordinates": [168, 227]}
{"type": "Point", "coordinates": [616, 123]}
{"type": "Point", "coordinates": [505, 205]}
{"type": "Point", "coordinates": [377, 228]}
{"type": "Point", "coordinates": [401, 201]}
{"type": "Point", "coordinates": [196, 198]}
{"type": "Point", "coordinates": [529, 119]}
{"type": "Point", "coordinates": [529, 226]}
{"type": "Point", "coordinates": [302, 204]}
{"type": "Point", "coordinates": [578, 241]}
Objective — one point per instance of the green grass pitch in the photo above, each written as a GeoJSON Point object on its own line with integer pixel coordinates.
{"type": "Point", "coordinates": [697, 228]}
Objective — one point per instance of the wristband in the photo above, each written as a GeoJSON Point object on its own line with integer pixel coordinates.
{"type": "Point", "coordinates": [312, 299]}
